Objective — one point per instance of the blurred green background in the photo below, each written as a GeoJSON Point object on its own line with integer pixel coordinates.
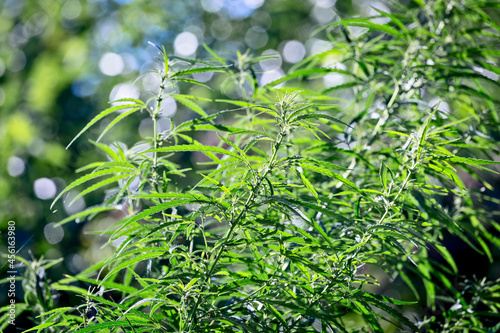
{"type": "Point", "coordinates": [62, 61]}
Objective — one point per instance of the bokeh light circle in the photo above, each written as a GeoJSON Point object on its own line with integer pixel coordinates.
{"type": "Point", "coordinates": [185, 44]}
{"type": "Point", "coordinates": [45, 188]}
{"type": "Point", "coordinates": [53, 233]}
{"type": "Point", "coordinates": [111, 64]}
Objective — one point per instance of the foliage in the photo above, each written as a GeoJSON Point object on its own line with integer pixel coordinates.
{"type": "Point", "coordinates": [307, 197]}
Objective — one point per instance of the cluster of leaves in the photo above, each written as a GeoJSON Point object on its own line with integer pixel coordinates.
{"type": "Point", "coordinates": [308, 191]}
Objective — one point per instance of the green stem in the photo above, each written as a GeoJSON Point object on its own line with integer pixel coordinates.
{"type": "Point", "coordinates": [235, 222]}
{"type": "Point", "coordinates": [155, 146]}
{"type": "Point", "coordinates": [155, 141]}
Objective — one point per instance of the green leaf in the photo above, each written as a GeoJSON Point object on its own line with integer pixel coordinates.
{"type": "Point", "coordinates": [341, 179]}
{"type": "Point", "coordinates": [216, 183]}
{"type": "Point", "coordinates": [365, 23]}
{"type": "Point", "coordinates": [191, 283]}
{"type": "Point", "coordinates": [200, 148]}
{"type": "Point", "coordinates": [63, 309]}
{"type": "Point", "coordinates": [49, 324]}
{"type": "Point", "coordinates": [165, 60]}
{"type": "Point", "coordinates": [199, 70]}
{"type": "Point", "coordinates": [89, 211]}
{"type": "Point", "coordinates": [319, 116]}
{"type": "Point", "coordinates": [306, 72]}
{"type": "Point", "coordinates": [90, 176]}
{"type": "Point", "coordinates": [116, 324]}
{"type": "Point", "coordinates": [120, 164]}
{"type": "Point", "coordinates": [399, 133]}
{"type": "Point", "coordinates": [299, 213]}
{"type": "Point", "coordinates": [102, 115]}
{"type": "Point", "coordinates": [342, 86]}
{"type": "Point", "coordinates": [89, 166]}
{"type": "Point", "coordinates": [238, 149]}
{"type": "Point", "coordinates": [370, 298]}
{"type": "Point", "coordinates": [191, 81]}
{"type": "Point", "coordinates": [107, 284]}
{"type": "Point", "coordinates": [221, 128]}
{"type": "Point", "coordinates": [106, 149]}
{"type": "Point", "coordinates": [152, 210]}
{"type": "Point", "coordinates": [190, 123]}
{"type": "Point", "coordinates": [469, 161]}
{"type": "Point", "coordinates": [447, 256]}
{"type": "Point", "coordinates": [277, 314]}
{"type": "Point", "coordinates": [394, 19]}
{"type": "Point", "coordinates": [97, 186]}
{"type": "Point", "coordinates": [144, 301]}
{"type": "Point", "coordinates": [254, 140]}
{"type": "Point", "coordinates": [190, 195]}
{"type": "Point", "coordinates": [243, 104]}
{"type": "Point", "coordinates": [131, 262]}
{"type": "Point", "coordinates": [215, 55]}
{"type": "Point", "coordinates": [308, 184]}
{"type": "Point", "coordinates": [183, 99]}
{"type": "Point", "coordinates": [135, 100]}
{"type": "Point", "coordinates": [383, 177]}
{"type": "Point", "coordinates": [116, 120]}
{"type": "Point", "coordinates": [422, 133]}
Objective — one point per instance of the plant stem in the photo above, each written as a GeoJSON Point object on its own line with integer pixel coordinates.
{"type": "Point", "coordinates": [235, 222]}
{"type": "Point", "coordinates": [155, 117]}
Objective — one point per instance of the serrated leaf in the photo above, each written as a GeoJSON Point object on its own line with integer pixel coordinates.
{"type": "Point", "coordinates": [88, 177]}
{"type": "Point", "coordinates": [188, 124]}
{"type": "Point", "coordinates": [191, 283]}
{"type": "Point", "coordinates": [107, 284]}
{"type": "Point", "coordinates": [365, 23]}
{"type": "Point", "coordinates": [308, 185]}
{"type": "Point", "coordinates": [447, 256]}
{"type": "Point", "coordinates": [254, 140]}
{"type": "Point", "coordinates": [87, 212]}
{"type": "Point", "coordinates": [89, 166]}
{"type": "Point", "coordinates": [165, 60]}
{"type": "Point", "coordinates": [369, 298]}
{"type": "Point", "coordinates": [47, 325]}
{"type": "Point", "coordinates": [97, 186]}
{"type": "Point", "coordinates": [100, 116]}
{"type": "Point", "coordinates": [199, 70]}
{"type": "Point", "coordinates": [131, 262]}
{"type": "Point", "coordinates": [152, 210]}
{"type": "Point", "coordinates": [135, 100]}
{"type": "Point", "coordinates": [305, 72]}
{"type": "Point", "coordinates": [190, 104]}
{"type": "Point", "coordinates": [106, 149]}
{"type": "Point", "coordinates": [276, 313]}
{"type": "Point", "coordinates": [319, 116]}
{"type": "Point", "coordinates": [193, 82]}
{"type": "Point", "coordinates": [200, 148]}
{"type": "Point", "coordinates": [62, 309]}
{"type": "Point", "coordinates": [115, 324]}
{"type": "Point", "coordinates": [116, 120]}
{"type": "Point", "coordinates": [143, 301]}
{"type": "Point", "coordinates": [400, 134]}
{"type": "Point", "coordinates": [243, 104]}
{"type": "Point", "coordinates": [342, 86]}
{"type": "Point", "coordinates": [214, 54]}
{"type": "Point", "coordinates": [299, 213]}
{"type": "Point", "coordinates": [469, 161]}
{"type": "Point", "coordinates": [189, 195]}
{"type": "Point", "coordinates": [341, 179]}
{"type": "Point", "coordinates": [221, 128]}
{"type": "Point", "coordinates": [221, 186]}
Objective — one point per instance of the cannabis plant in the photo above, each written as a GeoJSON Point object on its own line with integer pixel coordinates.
{"type": "Point", "coordinates": [309, 200]}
